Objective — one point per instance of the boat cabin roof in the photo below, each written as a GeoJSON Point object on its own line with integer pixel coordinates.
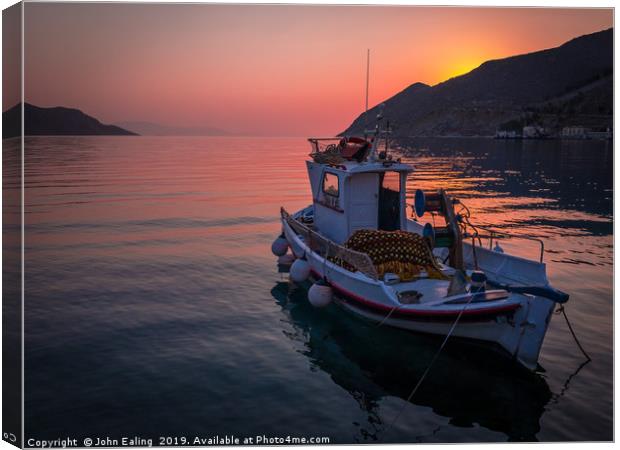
{"type": "Point", "coordinates": [353, 155]}
{"type": "Point", "coordinates": [353, 167]}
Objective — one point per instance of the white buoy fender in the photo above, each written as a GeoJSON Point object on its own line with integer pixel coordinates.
{"type": "Point", "coordinates": [320, 294]}
{"type": "Point", "coordinates": [300, 270]}
{"type": "Point", "coordinates": [279, 246]}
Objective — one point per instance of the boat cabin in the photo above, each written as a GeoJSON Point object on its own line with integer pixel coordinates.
{"type": "Point", "coordinates": [353, 195]}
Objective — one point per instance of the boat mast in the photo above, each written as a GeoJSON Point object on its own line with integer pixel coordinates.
{"type": "Point", "coordinates": [377, 131]}
{"type": "Point", "coordinates": [367, 76]}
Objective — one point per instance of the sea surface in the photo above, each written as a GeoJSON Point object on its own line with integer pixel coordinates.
{"type": "Point", "coordinates": [154, 307]}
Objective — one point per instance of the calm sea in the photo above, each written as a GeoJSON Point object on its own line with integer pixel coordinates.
{"type": "Point", "coordinates": [155, 308]}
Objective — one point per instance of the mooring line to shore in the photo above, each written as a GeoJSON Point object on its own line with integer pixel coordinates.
{"type": "Point", "coordinates": [428, 368]}
{"type": "Point", "coordinates": [562, 310]}
{"type": "Point", "coordinates": [443, 344]}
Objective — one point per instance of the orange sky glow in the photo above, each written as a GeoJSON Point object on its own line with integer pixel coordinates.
{"type": "Point", "coordinates": [268, 70]}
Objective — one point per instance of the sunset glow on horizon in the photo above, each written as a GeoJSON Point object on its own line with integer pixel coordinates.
{"type": "Point", "coordinates": [266, 69]}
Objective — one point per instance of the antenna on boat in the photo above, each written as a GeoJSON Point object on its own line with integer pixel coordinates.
{"type": "Point", "coordinates": [367, 75]}
{"type": "Point", "coordinates": [367, 78]}
{"type": "Point", "coordinates": [377, 131]}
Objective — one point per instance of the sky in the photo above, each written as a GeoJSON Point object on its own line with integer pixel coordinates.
{"type": "Point", "coordinates": [278, 70]}
{"type": "Point", "coordinates": [11, 56]}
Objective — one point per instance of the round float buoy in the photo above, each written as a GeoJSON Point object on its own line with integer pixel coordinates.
{"type": "Point", "coordinates": [320, 294]}
{"type": "Point", "coordinates": [300, 270]}
{"type": "Point", "coordinates": [419, 203]}
{"type": "Point", "coordinates": [428, 232]}
{"type": "Point", "coordinates": [279, 246]}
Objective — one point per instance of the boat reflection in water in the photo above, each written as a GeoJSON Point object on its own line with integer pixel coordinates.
{"type": "Point", "coordinates": [372, 363]}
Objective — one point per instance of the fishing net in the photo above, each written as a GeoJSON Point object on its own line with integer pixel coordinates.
{"type": "Point", "coordinates": [374, 252]}
{"type": "Point", "coordinates": [405, 254]}
{"type": "Point", "coordinates": [331, 155]}
{"type": "Point", "coordinates": [326, 151]}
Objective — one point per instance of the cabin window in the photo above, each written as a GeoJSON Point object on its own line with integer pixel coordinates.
{"type": "Point", "coordinates": [331, 184]}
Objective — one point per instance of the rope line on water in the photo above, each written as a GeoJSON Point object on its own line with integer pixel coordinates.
{"type": "Point", "coordinates": [563, 311]}
{"type": "Point", "coordinates": [428, 368]}
{"type": "Point", "coordinates": [388, 316]}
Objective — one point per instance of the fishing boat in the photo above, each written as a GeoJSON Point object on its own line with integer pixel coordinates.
{"type": "Point", "coordinates": [367, 256]}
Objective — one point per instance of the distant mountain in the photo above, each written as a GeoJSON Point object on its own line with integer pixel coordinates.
{"type": "Point", "coordinates": [55, 121]}
{"type": "Point", "coordinates": [156, 129]}
{"type": "Point", "coordinates": [567, 85]}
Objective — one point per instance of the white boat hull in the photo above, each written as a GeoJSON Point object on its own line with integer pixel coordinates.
{"type": "Point", "coordinates": [517, 323]}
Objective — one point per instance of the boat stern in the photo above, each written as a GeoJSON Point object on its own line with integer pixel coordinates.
{"type": "Point", "coordinates": [529, 329]}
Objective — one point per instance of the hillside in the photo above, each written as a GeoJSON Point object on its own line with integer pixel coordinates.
{"type": "Point", "coordinates": [54, 121]}
{"type": "Point", "coordinates": [507, 90]}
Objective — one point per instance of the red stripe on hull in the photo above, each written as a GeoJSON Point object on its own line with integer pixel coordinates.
{"type": "Point", "coordinates": [477, 313]}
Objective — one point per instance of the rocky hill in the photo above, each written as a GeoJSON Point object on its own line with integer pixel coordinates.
{"type": "Point", "coordinates": [558, 84]}
{"type": "Point", "coordinates": [54, 121]}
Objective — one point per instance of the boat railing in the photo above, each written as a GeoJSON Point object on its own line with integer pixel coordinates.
{"type": "Point", "coordinates": [329, 249]}
{"type": "Point", "coordinates": [498, 235]}
{"type": "Point", "coordinates": [492, 235]}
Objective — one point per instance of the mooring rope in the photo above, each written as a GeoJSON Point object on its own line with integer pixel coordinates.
{"type": "Point", "coordinates": [388, 316]}
{"type": "Point", "coordinates": [428, 368]}
{"type": "Point", "coordinates": [563, 311]}
{"type": "Point", "coordinates": [445, 341]}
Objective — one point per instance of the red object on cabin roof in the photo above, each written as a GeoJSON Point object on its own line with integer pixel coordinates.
{"type": "Point", "coordinates": [354, 148]}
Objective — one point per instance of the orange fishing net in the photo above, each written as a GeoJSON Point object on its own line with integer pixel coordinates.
{"type": "Point", "coordinates": [405, 254]}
